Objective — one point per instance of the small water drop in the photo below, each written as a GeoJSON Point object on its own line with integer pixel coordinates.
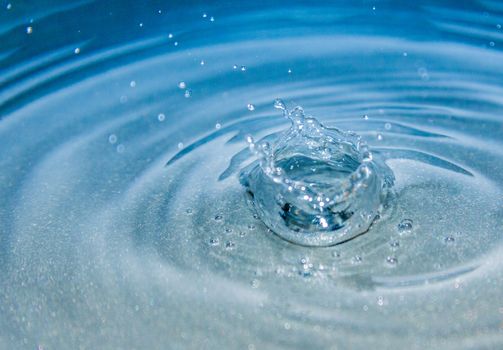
{"type": "Point", "coordinates": [255, 283]}
{"type": "Point", "coordinates": [405, 54]}
{"type": "Point", "coordinates": [170, 36]}
{"type": "Point", "coordinates": [112, 139]}
{"type": "Point", "coordinates": [9, 6]}
{"type": "Point", "coordinates": [357, 259]}
{"type": "Point", "coordinates": [491, 43]}
{"type": "Point", "coordinates": [218, 217]}
{"type": "Point", "coordinates": [180, 145]}
{"type": "Point", "coordinates": [243, 68]}
{"type": "Point", "coordinates": [214, 241]}
{"type": "Point", "coordinates": [228, 230]}
{"type": "Point", "coordinates": [123, 99]}
{"type": "Point", "coordinates": [182, 85]}
{"type": "Point", "coordinates": [449, 239]}
{"type": "Point", "coordinates": [161, 117]}
{"type": "Point", "coordinates": [205, 15]}
{"type": "Point", "coordinates": [387, 126]}
{"type": "Point", "coordinates": [365, 117]}
{"type": "Point", "coordinates": [120, 148]}
{"type": "Point", "coordinates": [379, 137]}
{"type": "Point", "coordinates": [251, 227]}
{"type": "Point", "coordinates": [250, 107]}
{"type": "Point", "coordinates": [405, 226]}
{"type": "Point", "coordinates": [235, 67]}
{"type": "Point", "coordinates": [202, 63]}
{"type": "Point", "coordinates": [336, 254]}
{"type": "Point", "coordinates": [289, 71]}
{"type": "Point", "coordinates": [212, 19]}
{"type": "Point", "coordinates": [230, 245]}
{"type": "Point", "coordinates": [498, 26]}
{"type": "Point", "coordinates": [29, 30]}
{"type": "Point", "coordinates": [380, 301]}
{"type": "Point", "coordinates": [175, 43]}
{"type": "Point", "coordinates": [132, 83]}
{"type": "Point", "coordinates": [218, 126]}
{"type": "Point", "coordinates": [189, 211]}
{"type": "Point", "coordinates": [187, 93]}
{"type": "Point", "coordinates": [391, 260]}
{"type": "Point", "coordinates": [394, 245]}
{"type": "Point", "coordinates": [76, 51]}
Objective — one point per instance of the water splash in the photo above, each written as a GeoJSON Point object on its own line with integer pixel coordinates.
{"type": "Point", "coordinates": [313, 185]}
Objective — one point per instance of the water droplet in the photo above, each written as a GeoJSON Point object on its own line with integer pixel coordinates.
{"type": "Point", "coordinates": [391, 260]}
{"type": "Point", "coordinates": [235, 67]}
{"type": "Point", "coordinates": [405, 226]}
{"type": "Point", "coordinates": [287, 326]}
{"type": "Point", "coordinates": [228, 230]}
{"type": "Point", "coordinates": [189, 211]}
{"type": "Point", "coordinates": [132, 84]}
{"type": "Point", "coordinates": [380, 301]}
{"type": "Point", "coordinates": [180, 145]}
{"type": "Point", "coordinates": [182, 85]}
{"type": "Point", "coordinates": [373, 8]}
{"type": "Point", "coordinates": [218, 217]}
{"type": "Point", "coordinates": [9, 6]}
{"type": "Point", "coordinates": [336, 254]}
{"type": "Point", "coordinates": [161, 117]}
{"type": "Point", "coordinates": [289, 71]}
{"type": "Point", "coordinates": [202, 63]}
{"type": "Point", "coordinates": [357, 259]}
{"type": "Point", "coordinates": [170, 36]}
{"type": "Point", "coordinates": [255, 283]}
{"type": "Point", "coordinates": [141, 25]}
{"type": "Point", "coordinates": [405, 54]}
{"type": "Point", "coordinates": [29, 30]}
{"type": "Point", "coordinates": [112, 139]}
{"type": "Point", "coordinates": [387, 126]}
{"type": "Point", "coordinates": [230, 245]}
{"type": "Point", "coordinates": [366, 117]}
{"type": "Point", "coordinates": [212, 19]}
{"type": "Point", "coordinates": [251, 227]}
{"type": "Point", "coordinates": [491, 43]}
{"type": "Point", "coordinates": [449, 240]}
{"type": "Point", "coordinates": [123, 99]}
{"type": "Point", "coordinates": [250, 107]}
{"type": "Point", "coordinates": [175, 43]}
{"type": "Point", "coordinates": [76, 51]}
{"type": "Point", "coordinates": [218, 126]}
{"type": "Point", "coordinates": [214, 241]}
{"type": "Point", "coordinates": [394, 245]}
{"type": "Point", "coordinates": [120, 148]}
{"type": "Point", "coordinates": [498, 26]}
{"type": "Point", "coordinates": [205, 15]}
{"type": "Point", "coordinates": [187, 93]}
{"type": "Point", "coordinates": [243, 68]}
{"type": "Point", "coordinates": [379, 137]}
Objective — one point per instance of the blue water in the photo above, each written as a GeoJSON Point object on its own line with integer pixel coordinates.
{"type": "Point", "coordinates": [124, 222]}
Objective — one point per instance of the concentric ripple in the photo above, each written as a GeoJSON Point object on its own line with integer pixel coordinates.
{"type": "Point", "coordinates": [123, 221]}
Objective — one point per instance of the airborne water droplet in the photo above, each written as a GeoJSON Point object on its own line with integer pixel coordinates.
{"type": "Point", "coordinates": [405, 226]}
{"type": "Point", "coordinates": [250, 107]}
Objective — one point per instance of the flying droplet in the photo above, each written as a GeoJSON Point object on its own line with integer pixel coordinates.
{"type": "Point", "coordinates": [132, 83]}
{"type": "Point", "coordinates": [449, 240]}
{"type": "Point", "coordinates": [76, 51]}
{"type": "Point", "coordinates": [187, 93]}
{"type": "Point", "coordinates": [405, 226]}
{"type": "Point", "coordinates": [218, 126]}
{"type": "Point", "coordinates": [230, 245]}
{"type": "Point", "coordinates": [251, 107]}
{"type": "Point", "coordinates": [182, 85]}
{"type": "Point", "coordinates": [161, 117]}
{"type": "Point", "coordinates": [29, 30]}
{"type": "Point", "coordinates": [387, 126]}
{"type": "Point", "coordinates": [214, 241]}
{"type": "Point", "coordinates": [243, 68]}
{"type": "Point", "coordinates": [120, 148]}
{"type": "Point", "coordinates": [391, 260]}
{"type": "Point", "coordinates": [112, 139]}
{"type": "Point", "coordinates": [218, 217]}
{"type": "Point", "coordinates": [379, 137]}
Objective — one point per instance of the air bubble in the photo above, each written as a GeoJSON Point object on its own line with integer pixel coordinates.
{"type": "Point", "coordinates": [405, 226]}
